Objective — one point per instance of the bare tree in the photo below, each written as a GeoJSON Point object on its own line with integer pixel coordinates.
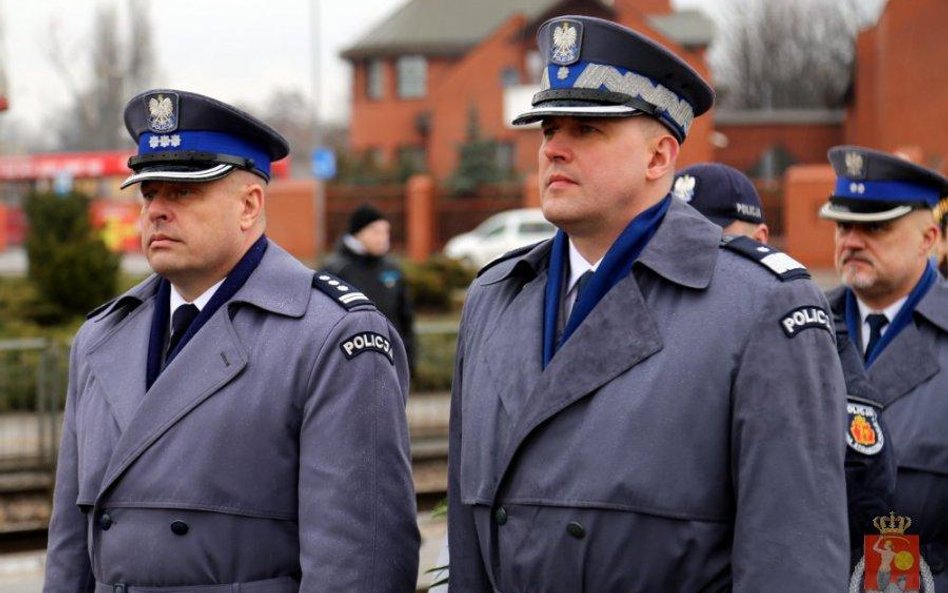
{"type": "Point", "coordinates": [799, 54]}
{"type": "Point", "coordinates": [117, 68]}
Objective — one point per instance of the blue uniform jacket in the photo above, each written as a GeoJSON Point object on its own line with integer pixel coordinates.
{"type": "Point", "coordinates": [687, 436]}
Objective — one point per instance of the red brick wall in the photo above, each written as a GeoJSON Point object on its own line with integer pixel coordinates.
{"type": "Point", "coordinates": [901, 89]}
{"type": "Point", "coordinates": [747, 143]}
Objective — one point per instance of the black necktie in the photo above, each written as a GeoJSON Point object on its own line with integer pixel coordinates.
{"type": "Point", "coordinates": [581, 285]}
{"type": "Point", "coordinates": [180, 321]}
{"type": "Point", "coordinates": [876, 322]}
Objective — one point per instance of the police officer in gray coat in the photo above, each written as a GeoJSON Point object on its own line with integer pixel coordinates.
{"type": "Point", "coordinates": [626, 417]}
{"type": "Point", "coordinates": [234, 422]}
{"type": "Point", "coordinates": [896, 308]}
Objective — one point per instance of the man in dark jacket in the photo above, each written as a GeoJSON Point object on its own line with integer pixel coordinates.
{"type": "Point", "coordinates": [361, 258]}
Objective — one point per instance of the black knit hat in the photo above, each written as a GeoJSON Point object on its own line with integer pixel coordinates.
{"type": "Point", "coordinates": [363, 216]}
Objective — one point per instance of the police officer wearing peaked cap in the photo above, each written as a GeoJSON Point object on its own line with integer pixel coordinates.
{"type": "Point", "coordinates": [896, 310]}
{"type": "Point", "coordinates": [235, 421]}
{"type": "Point", "coordinates": [625, 417]}
{"type": "Point", "coordinates": [728, 198]}
{"type": "Point", "coordinates": [725, 196]}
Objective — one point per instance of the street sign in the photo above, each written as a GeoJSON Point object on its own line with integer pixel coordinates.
{"type": "Point", "coordinates": [324, 163]}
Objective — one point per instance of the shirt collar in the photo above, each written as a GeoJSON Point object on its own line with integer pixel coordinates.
{"type": "Point", "coordinates": [177, 300]}
{"type": "Point", "coordinates": [578, 266]}
{"type": "Point", "coordinates": [890, 312]}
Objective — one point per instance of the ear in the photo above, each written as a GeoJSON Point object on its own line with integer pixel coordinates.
{"type": "Point", "coordinates": [761, 233]}
{"type": "Point", "coordinates": [930, 238]}
{"type": "Point", "coordinates": [664, 155]}
{"type": "Point", "coordinates": [251, 201]}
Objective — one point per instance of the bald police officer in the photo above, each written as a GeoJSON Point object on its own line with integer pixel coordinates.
{"type": "Point", "coordinates": [729, 199]}
{"type": "Point", "coordinates": [896, 309]}
{"type": "Point", "coordinates": [234, 422]}
{"type": "Point", "coordinates": [625, 416]}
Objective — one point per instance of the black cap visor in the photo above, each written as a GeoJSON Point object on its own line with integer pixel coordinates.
{"type": "Point", "coordinates": [849, 210]}
{"type": "Point", "coordinates": [186, 166]}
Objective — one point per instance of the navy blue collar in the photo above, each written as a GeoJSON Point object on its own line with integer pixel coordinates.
{"type": "Point", "coordinates": [615, 266]}
{"type": "Point", "coordinates": [902, 318]}
{"type": "Point", "coordinates": [159, 321]}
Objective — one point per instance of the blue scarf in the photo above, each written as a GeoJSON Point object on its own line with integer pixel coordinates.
{"type": "Point", "coordinates": [615, 266]}
{"type": "Point", "coordinates": [901, 320]}
{"type": "Point", "coordinates": [159, 320]}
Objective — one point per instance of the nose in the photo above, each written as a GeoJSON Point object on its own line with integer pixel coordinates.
{"type": "Point", "coordinates": [849, 237]}
{"type": "Point", "coordinates": [155, 208]}
{"type": "Point", "coordinates": [555, 147]}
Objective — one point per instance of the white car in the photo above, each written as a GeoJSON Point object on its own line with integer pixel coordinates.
{"type": "Point", "coordinates": [499, 234]}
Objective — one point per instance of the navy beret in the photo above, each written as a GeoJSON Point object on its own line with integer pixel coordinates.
{"type": "Point", "coordinates": [719, 192]}
{"type": "Point", "coordinates": [597, 68]}
{"type": "Point", "coordinates": [184, 136]}
{"type": "Point", "coordinates": [873, 186]}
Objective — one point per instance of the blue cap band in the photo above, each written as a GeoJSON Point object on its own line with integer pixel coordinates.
{"type": "Point", "coordinates": [886, 191]}
{"type": "Point", "coordinates": [203, 141]}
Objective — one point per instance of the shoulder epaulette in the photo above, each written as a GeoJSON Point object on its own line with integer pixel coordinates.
{"type": "Point", "coordinates": [509, 255]}
{"type": "Point", "coordinates": [780, 264]}
{"type": "Point", "coordinates": [347, 296]}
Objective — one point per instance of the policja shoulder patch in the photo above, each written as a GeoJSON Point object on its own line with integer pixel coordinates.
{"type": "Point", "coordinates": [367, 342]}
{"type": "Point", "coordinates": [780, 264]}
{"type": "Point", "coordinates": [805, 317]}
{"type": "Point", "coordinates": [863, 433]}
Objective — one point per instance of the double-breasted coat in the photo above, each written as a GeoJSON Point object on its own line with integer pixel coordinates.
{"type": "Point", "coordinates": [686, 437]}
{"type": "Point", "coordinates": [266, 457]}
{"type": "Point", "coordinates": [911, 377]}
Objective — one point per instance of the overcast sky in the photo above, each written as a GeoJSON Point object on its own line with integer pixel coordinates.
{"type": "Point", "coordinates": [236, 50]}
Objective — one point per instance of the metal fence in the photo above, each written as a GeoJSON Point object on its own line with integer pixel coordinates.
{"type": "Point", "coordinates": [32, 393]}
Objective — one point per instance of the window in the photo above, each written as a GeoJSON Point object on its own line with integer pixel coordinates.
{"type": "Point", "coordinates": [412, 77]}
{"type": "Point", "coordinates": [375, 79]}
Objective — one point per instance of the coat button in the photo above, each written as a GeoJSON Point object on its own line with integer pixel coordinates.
{"type": "Point", "coordinates": [105, 521]}
{"type": "Point", "coordinates": [179, 527]}
{"type": "Point", "coordinates": [500, 516]}
{"type": "Point", "coordinates": [576, 529]}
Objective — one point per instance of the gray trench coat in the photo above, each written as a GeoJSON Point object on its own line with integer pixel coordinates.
{"type": "Point", "coordinates": [680, 440]}
{"type": "Point", "coordinates": [264, 458]}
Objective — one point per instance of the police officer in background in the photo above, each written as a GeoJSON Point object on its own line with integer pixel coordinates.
{"type": "Point", "coordinates": [896, 309]}
{"type": "Point", "coordinates": [625, 417]}
{"type": "Point", "coordinates": [725, 196]}
{"type": "Point", "coordinates": [234, 422]}
{"type": "Point", "coordinates": [361, 258]}
{"type": "Point", "coordinates": [729, 199]}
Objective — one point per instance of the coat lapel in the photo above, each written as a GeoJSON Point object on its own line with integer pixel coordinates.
{"type": "Point", "coordinates": [208, 362]}
{"type": "Point", "coordinates": [617, 335]}
{"type": "Point", "coordinates": [119, 364]}
{"type": "Point", "coordinates": [211, 360]}
{"type": "Point", "coordinates": [910, 358]}
{"type": "Point", "coordinates": [522, 350]}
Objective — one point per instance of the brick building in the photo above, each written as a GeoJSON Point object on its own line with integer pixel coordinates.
{"type": "Point", "coordinates": [420, 73]}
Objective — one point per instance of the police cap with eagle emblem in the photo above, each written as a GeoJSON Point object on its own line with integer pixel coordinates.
{"type": "Point", "coordinates": [875, 186]}
{"type": "Point", "coordinates": [597, 68]}
{"type": "Point", "coordinates": [184, 136]}
{"type": "Point", "coordinates": [719, 192]}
